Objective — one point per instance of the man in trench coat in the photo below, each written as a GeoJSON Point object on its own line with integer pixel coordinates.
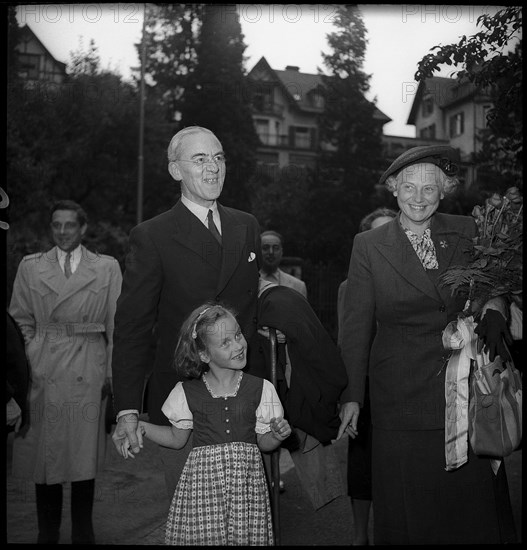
{"type": "Point", "coordinates": [64, 302]}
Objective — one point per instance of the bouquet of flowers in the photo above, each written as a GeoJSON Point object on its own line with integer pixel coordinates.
{"type": "Point", "coordinates": [472, 377]}
{"type": "Point", "coordinates": [496, 257]}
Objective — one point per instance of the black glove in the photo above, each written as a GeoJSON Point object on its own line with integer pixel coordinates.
{"type": "Point", "coordinates": [494, 333]}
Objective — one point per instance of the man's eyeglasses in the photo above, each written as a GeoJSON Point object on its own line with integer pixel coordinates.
{"type": "Point", "coordinates": [202, 160]}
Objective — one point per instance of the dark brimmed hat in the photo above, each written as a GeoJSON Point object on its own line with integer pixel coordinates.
{"type": "Point", "coordinates": [444, 156]}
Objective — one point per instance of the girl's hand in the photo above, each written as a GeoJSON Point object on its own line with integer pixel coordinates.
{"type": "Point", "coordinates": [126, 447]}
{"type": "Point", "coordinates": [280, 428]}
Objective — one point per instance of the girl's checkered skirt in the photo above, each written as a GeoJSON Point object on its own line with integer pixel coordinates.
{"type": "Point", "coordinates": [221, 499]}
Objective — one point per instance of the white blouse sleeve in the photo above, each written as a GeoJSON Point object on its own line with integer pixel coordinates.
{"type": "Point", "coordinates": [270, 407]}
{"type": "Point", "coordinates": [175, 408]}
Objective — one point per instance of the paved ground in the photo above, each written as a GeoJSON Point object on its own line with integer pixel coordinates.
{"type": "Point", "coordinates": [131, 505]}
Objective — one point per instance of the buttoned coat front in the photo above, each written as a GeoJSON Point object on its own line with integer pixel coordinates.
{"type": "Point", "coordinates": [67, 326]}
{"type": "Point", "coordinates": [394, 315]}
{"type": "Point", "coordinates": [174, 265]}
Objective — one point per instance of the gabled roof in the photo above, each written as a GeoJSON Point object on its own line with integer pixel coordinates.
{"type": "Point", "coordinates": [27, 33]}
{"type": "Point", "coordinates": [298, 86]}
{"type": "Point", "coordinates": [445, 91]}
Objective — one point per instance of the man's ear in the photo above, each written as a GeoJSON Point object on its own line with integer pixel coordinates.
{"type": "Point", "coordinates": [173, 170]}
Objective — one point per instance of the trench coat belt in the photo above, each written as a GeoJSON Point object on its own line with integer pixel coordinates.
{"type": "Point", "coordinates": [69, 329]}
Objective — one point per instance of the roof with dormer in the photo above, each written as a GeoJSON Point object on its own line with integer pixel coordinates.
{"type": "Point", "coordinates": [298, 86]}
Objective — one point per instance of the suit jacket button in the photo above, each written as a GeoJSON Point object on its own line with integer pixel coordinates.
{"type": "Point", "coordinates": [442, 308]}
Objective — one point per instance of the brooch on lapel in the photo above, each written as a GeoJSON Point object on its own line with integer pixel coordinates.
{"type": "Point", "coordinates": [443, 244]}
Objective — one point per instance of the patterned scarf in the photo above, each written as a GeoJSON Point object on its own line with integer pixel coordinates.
{"type": "Point", "coordinates": [424, 248]}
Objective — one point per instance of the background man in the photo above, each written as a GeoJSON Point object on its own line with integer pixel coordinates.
{"type": "Point", "coordinates": [178, 260]}
{"type": "Point", "coordinates": [64, 302]}
{"type": "Point", "coordinates": [272, 252]}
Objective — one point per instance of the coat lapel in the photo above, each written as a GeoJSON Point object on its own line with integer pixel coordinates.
{"type": "Point", "coordinates": [447, 242]}
{"type": "Point", "coordinates": [83, 276]}
{"type": "Point", "coordinates": [397, 250]}
{"type": "Point", "coordinates": [50, 272]}
{"type": "Point", "coordinates": [449, 247]}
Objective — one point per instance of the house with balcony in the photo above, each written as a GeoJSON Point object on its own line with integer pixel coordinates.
{"type": "Point", "coordinates": [36, 65]}
{"type": "Point", "coordinates": [447, 111]}
{"type": "Point", "coordinates": [285, 109]}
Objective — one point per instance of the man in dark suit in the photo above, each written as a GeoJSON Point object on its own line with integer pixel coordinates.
{"type": "Point", "coordinates": [197, 251]}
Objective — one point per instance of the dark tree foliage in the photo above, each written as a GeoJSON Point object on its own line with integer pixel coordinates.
{"type": "Point", "coordinates": [171, 35]}
{"type": "Point", "coordinates": [217, 98]}
{"type": "Point", "coordinates": [343, 188]}
{"type": "Point", "coordinates": [280, 202]}
{"type": "Point", "coordinates": [492, 60]}
{"type": "Point", "coordinates": [77, 140]}
{"type": "Point", "coordinates": [194, 70]}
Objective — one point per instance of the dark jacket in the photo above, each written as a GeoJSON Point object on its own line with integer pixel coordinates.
{"type": "Point", "coordinates": [318, 375]}
{"type": "Point", "coordinates": [174, 265]}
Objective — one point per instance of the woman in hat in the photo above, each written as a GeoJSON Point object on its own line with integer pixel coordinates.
{"type": "Point", "coordinates": [394, 315]}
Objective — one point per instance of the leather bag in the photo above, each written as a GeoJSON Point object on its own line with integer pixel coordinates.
{"type": "Point", "coordinates": [495, 408]}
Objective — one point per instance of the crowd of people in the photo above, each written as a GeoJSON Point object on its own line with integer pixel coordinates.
{"type": "Point", "coordinates": [185, 330]}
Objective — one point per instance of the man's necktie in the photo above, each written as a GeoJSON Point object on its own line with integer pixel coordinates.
{"type": "Point", "coordinates": [67, 265]}
{"type": "Point", "coordinates": [212, 227]}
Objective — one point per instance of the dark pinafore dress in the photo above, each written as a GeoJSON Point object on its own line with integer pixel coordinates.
{"type": "Point", "coordinates": [222, 496]}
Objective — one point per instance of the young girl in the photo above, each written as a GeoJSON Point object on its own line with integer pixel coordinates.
{"type": "Point", "coordinates": [222, 496]}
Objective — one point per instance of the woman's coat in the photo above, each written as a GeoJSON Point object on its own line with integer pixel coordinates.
{"type": "Point", "coordinates": [394, 315]}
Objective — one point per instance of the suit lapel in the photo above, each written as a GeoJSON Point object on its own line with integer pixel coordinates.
{"type": "Point", "coordinates": [398, 250]}
{"type": "Point", "coordinates": [234, 235]}
{"type": "Point", "coordinates": [190, 233]}
{"type": "Point", "coordinates": [193, 235]}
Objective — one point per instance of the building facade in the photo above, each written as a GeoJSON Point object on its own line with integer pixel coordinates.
{"type": "Point", "coordinates": [286, 105]}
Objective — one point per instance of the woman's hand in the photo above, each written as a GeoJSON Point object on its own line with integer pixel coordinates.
{"type": "Point", "coordinates": [349, 416]}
